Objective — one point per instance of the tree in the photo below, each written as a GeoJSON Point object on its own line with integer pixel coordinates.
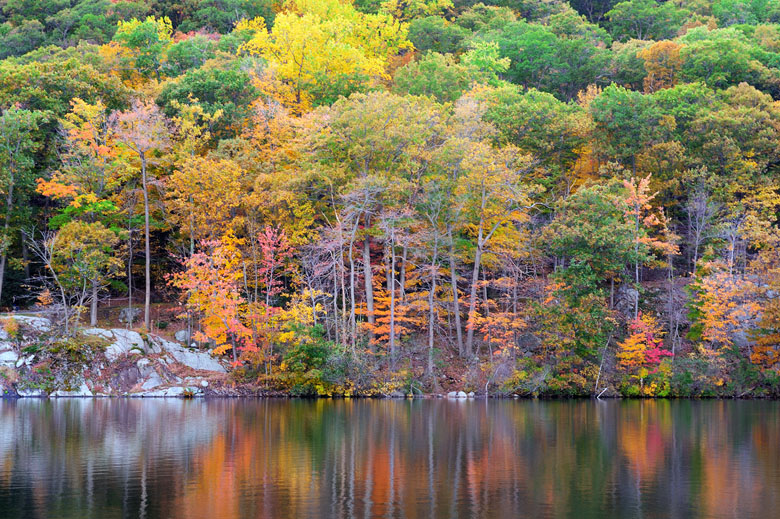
{"type": "Point", "coordinates": [434, 75]}
{"type": "Point", "coordinates": [228, 93]}
{"type": "Point", "coordinates": [625, 122]}
{"type": "Point", "coordinates": [495, 199]}
{"type": "Point", "coordinates": [275, 256]}
{"type": "Point", "coordinates": [204, 195]}
{"type": "Point", "coordinates": [644, 220]}
{"type": "Point", "coordinates": [211, 284]}
{"type": "Point", "coordinates": [19, 145]}
{"type": "Point", "coordinates": [89, 174]}
{"type": "Point", "coordinates": [645, 20]}
{"type": "Point", "coordinates": [143, 131]}
{"type": "Point", "coordinates": [435, 34]}
{"type": "Point", "coordinates": [141, 46]}
{"type": "Point", "coordinates": [77, 258]}
{"type": "Point", "coordinates": [642, 351]}
{"type": "Point", "coordinates": [325, 48]}
{"type": "Point", "coordinates": [662, 63]}
{"type": "Point", "coordinates": [590, 238]}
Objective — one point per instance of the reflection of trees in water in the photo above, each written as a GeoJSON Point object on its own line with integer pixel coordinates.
{"type": "Point", "coordinates": [280, 458]}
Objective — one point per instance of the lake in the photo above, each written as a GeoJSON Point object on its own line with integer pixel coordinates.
{"type": "Point", "coordinates": [235, 458]}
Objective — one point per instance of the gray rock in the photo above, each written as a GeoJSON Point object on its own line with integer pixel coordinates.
{"type": "Point", "coordinates": [129, 315]}
{"type": "Point", "coordinates": [8, 358]}
{"type": "Point", "coordinates": [144, 367]}
{"type": "Point", "coordinates": [470, 394]}
{"type": "Point", "coordinates": [204, 383]}
{"type": "Point", "coordinates": [192, 359]}
{"type": "Point", "coordinates": [152, 382]}
{"type": "Point", "coordinates": [625, 299]}
{"type": "Point", "coordinates": [20, 362]}
{"type": "Point", "coordinates": [452, 394]}
{"type": "Point", "coordinates": [39, 324]}
{"type": "Point", "coordinates": [182, 336]}
{"type": "Point", "coordinates": [124, 342]}
{"type": "Point", "coordinates": [31, 393]}
{"type": "Point", "coordinates": [175, 391]}
{"type": "Point", "coordinates": [396, 394]}
{"type": "Point", "coordinates": [82, 391]}
{"type": "Point", "coordinates": [462, 394]}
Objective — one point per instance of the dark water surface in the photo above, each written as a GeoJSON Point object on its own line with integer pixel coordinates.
{"type": "Point", "coordinates": [277, 458]}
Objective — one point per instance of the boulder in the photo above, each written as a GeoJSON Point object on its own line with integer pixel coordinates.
{"type": "Point", "coordinates": [124, 342]}
{"type": "Point", "coordinates": [182, 336]}
{"type": "Point", "coordinates": [24, 361]}
{"type": "Point", "coordinates": [130, 315]}
{"type": "Point", "coordinates": [8, 358]}
{"type": "Point", "coordinates": [31, 393]}
{"type": "Point", "coordinates": [82, 391]}
{"type": "Point", "coordinates": [152, 382]}
{"type": "Point", "coordinates": [470, 394]}
{"type": "Point", "coordinates": [625, 299]}
{"type": "Point", "coordinates": [175, 391]}
{"type": "Point", "coordinates": [396, 394]}
{"type": "Point", "coordinates": [201, 360]}
{"type": "Point", "coordinates": [39, 324]}
{"type": "Point", "coordinates": [125, 379]}
{"type": "Point", "coordinates": [462, 394]}
{"type": "Point", "coordinates": [144, 367]}
{"type": "Point", "coordinates": [452, 394]}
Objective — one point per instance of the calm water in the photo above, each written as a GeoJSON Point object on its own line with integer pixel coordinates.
{"type": "Point", "coordinates": [276, 458]}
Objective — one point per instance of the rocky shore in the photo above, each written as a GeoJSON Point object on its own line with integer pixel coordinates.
{"type": "Point", "coordinates": [113, 362]}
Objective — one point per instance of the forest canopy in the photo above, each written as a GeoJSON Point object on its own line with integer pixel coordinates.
{"type": "Point", "coordinates": [532, 197]}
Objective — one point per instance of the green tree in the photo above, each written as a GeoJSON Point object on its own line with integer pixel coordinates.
{"type": "Point", "coordinates": [646, 20]}
{"type": "Point", "coordinates": [20, 142]}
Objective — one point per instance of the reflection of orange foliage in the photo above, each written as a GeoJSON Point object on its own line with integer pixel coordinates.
{"type": "Point", "coordinates": [643, 438]}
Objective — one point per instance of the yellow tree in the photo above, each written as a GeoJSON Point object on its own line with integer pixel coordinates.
{"type": "Point", "coordinates": [495, 200]}
{"type": "Point", "coordinates": [203, 196]}
{"type": "Point", "coordinates": [662, 63]}
{"type": "Point", "coordinates": [327, 48]}
{"type": "Point", "coordinates": [144, 132]}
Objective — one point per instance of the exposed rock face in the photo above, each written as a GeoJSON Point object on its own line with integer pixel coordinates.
{"type": "Point", "coordinates": [152, 382]}
{"type": "Point", "coordinates": [8, 358]}
{"type": "Point", "coordinates": [82, 391]}
{"type": "Point", "coordinates": [625, 299]}
{"type": "Point", "coordinates": [200, 360]}
{"type": "Point", "coordinates": [134, 365]}
{"type": "Point", "coordinates": [39, 324]}
{"type": "Point", "coordinates": [182, 336]}
{"type": "Point", "coordinates": [123, 342]}
{"type": "Point", "coordinates": [31, 393]}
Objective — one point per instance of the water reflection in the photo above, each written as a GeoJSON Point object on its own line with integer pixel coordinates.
{"type": "Point", "coordinates": [275, 458]}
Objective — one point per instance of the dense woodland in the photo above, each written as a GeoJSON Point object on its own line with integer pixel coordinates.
{"type": "Point", "coordinates": [530, 197]}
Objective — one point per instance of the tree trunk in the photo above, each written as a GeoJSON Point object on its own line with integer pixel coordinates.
{"type": "Point", "coordinates": [25, 256]}
{"type": "Point", "coordinates": [454, 282]}
{"type": "Point", "coordinates": [93, 307]}
{"type": "Point", "coordinates": [9, 201]}
{"type": "Point", "coordinates": [369, 282]}
{"type": "Point", "coordinates": [431, 310]}
{"type": "Point", "coordinates": [473, 297]}
{"type": "Point", "coordinates": [147, 250]}
{"type": "Point", "coordinates": [392, 289]}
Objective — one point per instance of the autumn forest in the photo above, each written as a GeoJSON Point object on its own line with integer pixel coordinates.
{"type": "Point", "coordinates": [336, 198]}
